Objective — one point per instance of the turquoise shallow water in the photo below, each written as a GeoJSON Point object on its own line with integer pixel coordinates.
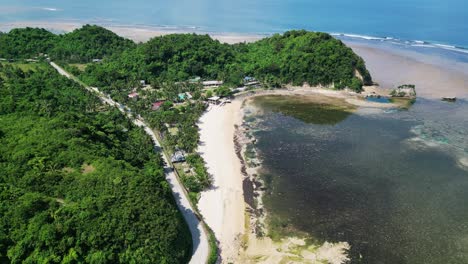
{"type": "Point", "coordinates": [389, 183]}
{"type": "Point", "coordinates": [428, 20]}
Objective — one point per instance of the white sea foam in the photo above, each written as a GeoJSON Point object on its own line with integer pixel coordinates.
{"type": "Point", "coordinates": [50, 9]}
{"type": "Point", "coordinates": [363, 37]}
{"type": "Point", "coordinates": [412, 43]}
{"type": "Point", "coordinates": [423, 45]}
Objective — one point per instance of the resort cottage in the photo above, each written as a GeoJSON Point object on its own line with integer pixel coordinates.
{"type": "Point", "coordinates": [214, 100]}
{"type": "Point", "coordinates": [178, 156]}
{"type": "Point", "coordinates": [157, 105]}
{"type": "Point", "coordinates": [212, 84]}
{"type": "Point", "coordinates": [133, 96]}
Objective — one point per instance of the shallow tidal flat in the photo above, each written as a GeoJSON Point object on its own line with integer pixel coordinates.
{"type": "Point", "coordinates": [392, 183]}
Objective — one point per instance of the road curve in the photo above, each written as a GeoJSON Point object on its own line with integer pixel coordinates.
{"type": "Point", "coordinates": [201, 247]}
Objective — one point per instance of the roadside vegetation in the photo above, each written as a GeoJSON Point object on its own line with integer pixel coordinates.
{"type": "Point", "coordinates": [78, 182]}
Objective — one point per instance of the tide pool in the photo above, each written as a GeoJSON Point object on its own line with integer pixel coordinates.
{"type": "Point", "coordinates": [390, 183]}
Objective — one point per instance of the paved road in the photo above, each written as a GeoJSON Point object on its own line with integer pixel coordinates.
{"type": "Point", "coordinates": [201, 247]}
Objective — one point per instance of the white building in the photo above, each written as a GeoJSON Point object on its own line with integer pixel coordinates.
{"type": "Point", "coordinates": [213, 84]}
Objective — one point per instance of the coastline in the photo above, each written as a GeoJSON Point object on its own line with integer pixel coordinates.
{"type": "Point", "coordinates": [390, 66]}
{"type": "Point", "coordinates": [233, 206]}
{"type": "Point", "coordinates": [434, 78]}
{"type": "Point", "coordinates": [220, 148]}
{"type": "Point", "coordinates": [252, 243]}
{"type": "Point", "coordinates": [133, 32]}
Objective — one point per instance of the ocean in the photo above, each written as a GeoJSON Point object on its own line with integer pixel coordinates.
{"type": "Point", "coordinates": [391, 183]}
{"type": "Point", "coordinates": [424, 22]}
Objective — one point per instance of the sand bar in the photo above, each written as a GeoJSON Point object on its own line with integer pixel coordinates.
{"type": "Point", "coordinates": [433, 80]}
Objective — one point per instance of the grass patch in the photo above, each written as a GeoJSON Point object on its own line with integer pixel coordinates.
{"type": "Point", "coordinates": [87, 168]}
{"type": "Point", "coordinates": [79, 66]}
{"type": "Point", "coordinates": [26, 66]}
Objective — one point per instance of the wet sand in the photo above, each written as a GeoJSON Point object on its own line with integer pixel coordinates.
{"type": "Point", "coordinates": [433, 80]}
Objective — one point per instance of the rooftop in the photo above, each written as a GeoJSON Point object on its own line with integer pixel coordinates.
{"type": "Point", "coordinates": [133, 95]}
{"type": "Point", "coordinates": [208, 83]}
{"type": "Point", "coordinates": [214, 98]}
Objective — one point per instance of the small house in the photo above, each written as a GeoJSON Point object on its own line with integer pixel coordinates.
{"type": "Point", "coordinates": [178, 156]}
{"type": "Point", "coordinates": [142, 82]}
{"type": "Point", "coordinates": [189, 96]}
{"type": "Point", "coordinates": [133, 96]}
{"type": "Point", "coordinates": [195, 80]}
{"type": "Point", "coordinates": [181, 96]}
{"type": "Point", "coordinates": [212, 84]}
{"type": "Point", "coordinates": [97, 60]}
{"type": "Point", "coordinates": [214, 100]}
{"type": "Point", "coordinates": [249, 79]}
{"type": "Point", "coordinates": [157, 105]}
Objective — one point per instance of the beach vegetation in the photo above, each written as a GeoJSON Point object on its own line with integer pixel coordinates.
{"type": "Point", "coordinates": [223, 91]}
{"type": "Point", "coordinates": [209, 93]}
{"type": "Point", "coordinates": [405, 90]}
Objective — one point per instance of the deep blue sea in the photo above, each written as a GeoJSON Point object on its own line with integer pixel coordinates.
{"type": "Point", "coordinates": [426, 21]}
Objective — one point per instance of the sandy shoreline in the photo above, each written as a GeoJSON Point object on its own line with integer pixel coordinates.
{"type": "Point", "coordinates": [222, 206]}
{"type": "Point", "coordinates": [135, 33]}
{"type": "Point", "coordinates": [236, 230]}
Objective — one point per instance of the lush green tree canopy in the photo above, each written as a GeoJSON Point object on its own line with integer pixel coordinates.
{"type": "Point", "coordinates": [295, 57]}
{"type": "Point", "coordinates": [299, 57]}
{"type": "Point", "coordinates": [81, 45]}
{"type": "Point", "coordinates": [26, 43]}
{"type": "Point", "coordinates": [88, 43]}
{"type": "Point", "coordinates": [78, 182]}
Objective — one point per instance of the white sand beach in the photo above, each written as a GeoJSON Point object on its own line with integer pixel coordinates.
{"type": "Point", "coordinates": [223, 205]}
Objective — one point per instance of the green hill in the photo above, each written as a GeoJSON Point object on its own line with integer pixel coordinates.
{"type": "Point", "coordinates": [296, 57]}
{"type": "Point", "coordinates": [80, 46]}
{"type": "Point", "coordinates": [88, 43]}
{"type": "Point", "coordinates": [78, 182]}
{"type": "Point", "coordinates": [26, 43]}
